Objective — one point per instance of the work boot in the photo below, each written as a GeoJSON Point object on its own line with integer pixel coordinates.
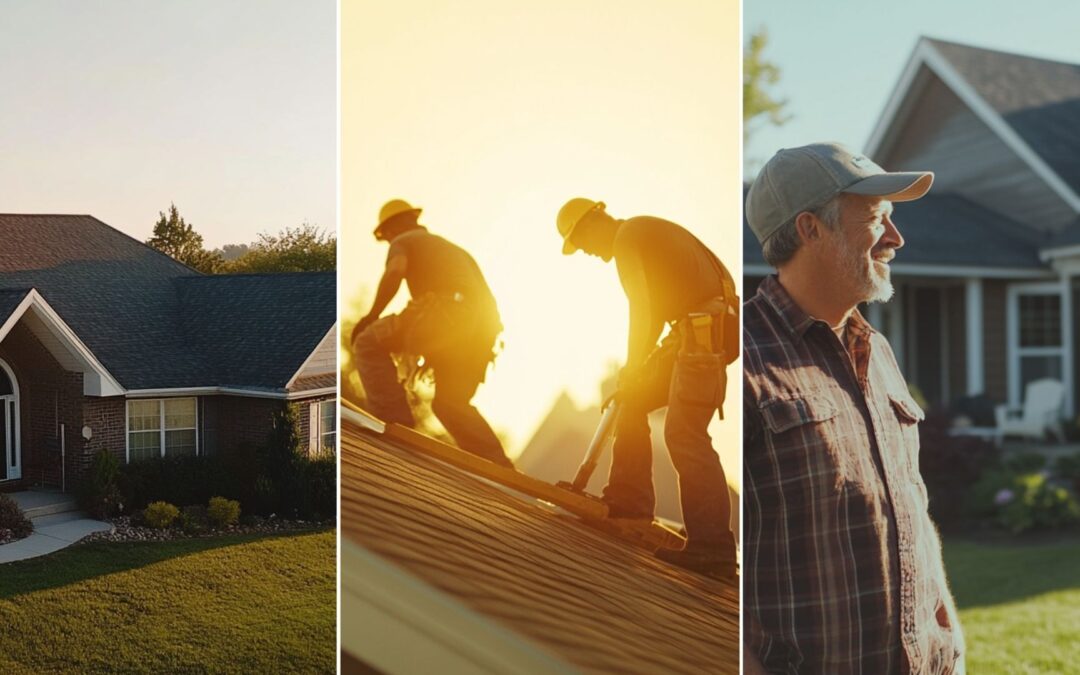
{"type": "Point", "coordinates": [716, 561]}
{"type": "Point", "coordinates": [617, 511]}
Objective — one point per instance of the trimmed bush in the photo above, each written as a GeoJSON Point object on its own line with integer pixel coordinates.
{"type": "Point", "coordinates": [99, 494]}
{"type": "Point", "coordinates": [177, 480]}
{"type": "Point", "coordinates": [1068, 467]}
{"type": "Point", "coordinates": [13, 522]}
{"type": "Point", "coordinates": [223, 512]}
{"type": "Point", "coordinates": [1025, 462]}
{"type": "Point", "coordinates": [160, 515]}
{"type": "Point", "coordinates": [950, 465]}
{"type": "Point", "coordinates": [1034, 503]}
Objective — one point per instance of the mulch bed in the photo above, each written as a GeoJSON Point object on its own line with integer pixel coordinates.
{"type": "Point", "coordinates": [126, 530]}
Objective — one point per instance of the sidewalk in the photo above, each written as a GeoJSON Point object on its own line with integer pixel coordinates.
{"type": "Point", "coordinates": [57, 524]}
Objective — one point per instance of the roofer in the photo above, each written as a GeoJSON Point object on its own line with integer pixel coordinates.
{"type": "Point", "coordinates": [669, 276]}
{"type": "Point", "coordinates": [842, 566]}
{"type": "Point", "coordinates": [451, 322]}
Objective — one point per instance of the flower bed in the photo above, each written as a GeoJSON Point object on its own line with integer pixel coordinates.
{"type": "Point", "coordinates": [128, 529]}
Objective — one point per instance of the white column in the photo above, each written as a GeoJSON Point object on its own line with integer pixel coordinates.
{"type": "Point", "coordinates": [1067, 344]}
{"type": "Point", "coordinates": [973, 309]}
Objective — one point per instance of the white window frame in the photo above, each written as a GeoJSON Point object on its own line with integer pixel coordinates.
{"type": "Point", "coordinates": [1013, 349]}
{"type": "Point", "coordinates": [161, 424]}
{"type": "Point", "coordinates": [315, 425]}
{"type": "Point", "coordinates": [11, 471]}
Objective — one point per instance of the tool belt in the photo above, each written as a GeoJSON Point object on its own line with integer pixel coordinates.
{"type": "Point", "coordinates": [714, 329]}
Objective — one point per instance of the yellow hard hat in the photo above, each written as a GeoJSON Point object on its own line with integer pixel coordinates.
{"type": "Point", "coordinates": [570, 215]}
{"type": "Point", "coordinates": [394, 207]}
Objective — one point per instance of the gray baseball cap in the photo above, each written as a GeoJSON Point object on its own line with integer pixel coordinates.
{"type": "Point", "coordinates": [804, 178]}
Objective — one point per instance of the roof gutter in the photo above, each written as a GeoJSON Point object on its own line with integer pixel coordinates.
{"type": "Point", "coordinates": [228, 391]}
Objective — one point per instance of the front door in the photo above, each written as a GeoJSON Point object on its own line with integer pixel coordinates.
{"type": "Point", "coordinates": [9, 425]}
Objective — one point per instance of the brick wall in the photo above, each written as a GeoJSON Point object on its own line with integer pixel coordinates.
{"type": "Point", "coordinates": [106, 418]}
{"type": "Point", "coordinates": [49, 397]}
{"type": "Point", "coordinates": [305, 417]}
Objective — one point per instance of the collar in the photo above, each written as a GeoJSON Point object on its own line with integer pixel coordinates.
{"type": "Point", "coordinates": [796, 320]}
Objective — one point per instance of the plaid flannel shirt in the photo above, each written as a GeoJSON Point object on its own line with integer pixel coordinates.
{"type": "Point", "coordinates": [842, 565]}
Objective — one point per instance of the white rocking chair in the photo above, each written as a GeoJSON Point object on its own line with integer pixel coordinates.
{"type": "Point", "coordinates": [1043, 400]}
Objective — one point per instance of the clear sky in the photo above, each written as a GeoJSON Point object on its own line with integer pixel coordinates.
{"type": "Point", "coordinates": [490, 115]}
{"type": "Point", "coordinates": [840, 60]}
{"type": "Point", "coordinates": [115, 108]}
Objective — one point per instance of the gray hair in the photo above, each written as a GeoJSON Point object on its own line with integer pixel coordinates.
{"type": "Point", "coordinates": [782, 245]}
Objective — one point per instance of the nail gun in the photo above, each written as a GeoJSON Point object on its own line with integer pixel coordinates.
{"type": "Point", "coordinates": [596, 446]}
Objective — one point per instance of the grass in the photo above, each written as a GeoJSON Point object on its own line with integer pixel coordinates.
{"type": "Point", "coordinates": [231, 604]}
{"type": "Point", "coordinates": [1019, 603]}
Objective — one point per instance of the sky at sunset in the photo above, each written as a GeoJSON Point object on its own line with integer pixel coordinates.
{"type": "Point", "coordinates": [115, 108]}
{"type": "Point", "coordinates": [490, 117]}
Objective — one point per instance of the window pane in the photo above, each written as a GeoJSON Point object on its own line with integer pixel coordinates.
{"type": "Point", "coordinates": [1040, 320]}
{"type": "Point", "coordinates": [5, 384]}
{"type": "Point", "coordinates": [143, 415]}
{"type": "Point", "coordinates": [1036, 368]}
{"type": "Point", "coordinates": [329, 441]}
{"type": "Point", "coordinates": [179, 413]}
{"type": "Point", "coordinates": [328, 417]}
{"type": "Point", "coordinates": [178, 443]}
{"type": "Point", "coordinates": [144, 445]}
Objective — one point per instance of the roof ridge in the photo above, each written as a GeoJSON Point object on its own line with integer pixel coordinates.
{"type": "Point", "coordinates": [227, 275]}
{"type": "Point", "coordinates": [143, 244]}
{"type": "Point", "coordinates": [1019, 55]}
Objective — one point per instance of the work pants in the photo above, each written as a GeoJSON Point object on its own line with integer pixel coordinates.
{"type": "Point", "coordinates": [692, 386]}
{"type": "Point", "coordinates": [457, 373]}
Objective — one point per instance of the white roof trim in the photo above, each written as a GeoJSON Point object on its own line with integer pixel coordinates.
{"type": "Point", "coordinates": [925, 270]}
{"type": "Point", "coordinates": [107, 384]}
{"type": "Point", "coordinates": [307, 360]}
{"type": "Point", "coordinates": [228, 391]}
{"type": "Point", "coordinates": [1055, 252]}
{"type": "Point", "coordinates": [925, 53]}
{"type": "Point", "coordinates": [397, 623]}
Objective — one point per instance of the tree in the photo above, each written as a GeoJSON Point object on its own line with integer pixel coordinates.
{"type": "Point", "coordinates": [759, 75]}
{"type": "Point", "coordinates": [178, 239]}
{"type": "Point", "coordinates": [301, 249]}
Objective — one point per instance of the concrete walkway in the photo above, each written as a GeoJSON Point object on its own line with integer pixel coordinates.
{"type": "Point", "coordinates": [58, 523]}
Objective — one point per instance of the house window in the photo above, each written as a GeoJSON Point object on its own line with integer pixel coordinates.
{"type": "Point", "coordinates": [322, 436]}
{"type": "Point", "coordinates": [1036, 337]}
{"type": "Point", "coordinates": [161, 428]}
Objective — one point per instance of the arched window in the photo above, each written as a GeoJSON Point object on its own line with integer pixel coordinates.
{"type": "Point", "coordinates": [9, 424]}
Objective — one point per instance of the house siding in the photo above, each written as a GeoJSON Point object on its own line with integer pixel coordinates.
{"type": "Point", "coordinates": [49, 397]}
{"type": "Point", "coordinates": [944, 135]}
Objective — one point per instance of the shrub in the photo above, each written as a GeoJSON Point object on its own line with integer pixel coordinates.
{"type": "Point", "coordinates": [160, 515]}
{"type": "Point", "coordinates": [1035, 503]}
{"type": "Point", "coordinates": [13, 520]}
{"type": "Point", "coordinates": [317, 477]}
{"type": "Point", "coordinates": [193, 519]}
{"type": "Point", "coordinates": [1025, 462]}
{"type": "Point", "coordinates": [223, 512]}
{"type": "Point", "coordinates": [99, 495]}
{"type": "Point", "coordinates": [950, 465]}
{"type": "Point", "coordinates": [1068, 467]}
{"type": "Point", "coordinates": [178, 480]}
{"type": "Point", "coordinates": [981, 500]}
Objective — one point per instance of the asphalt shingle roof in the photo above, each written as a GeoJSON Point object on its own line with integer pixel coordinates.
{"type": "Point", "coordinates": [9, 300]}
{"type": "Point", "coordinates": [1038, 98]}
{"type": "Point", "coordinates": [947, 229]}
{"type": "Point", "coordinates": [150, 320]}
{"type": "Point", "coordinates": [586, 598]}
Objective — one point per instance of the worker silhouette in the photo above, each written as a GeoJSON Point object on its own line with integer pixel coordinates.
{"type": "Point", "coordinates": [669, 276]}
{"type": "Point", "coordinates": [451, 321]}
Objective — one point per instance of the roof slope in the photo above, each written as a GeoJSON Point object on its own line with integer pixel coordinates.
{"type": "Point", "coordinates": [9, 300]}
{"type": "Point", "coordinates": [257, 328]}
{"type": "Point", "coordinates": [153, 322]}
{"type": "Point", "coordinates": [1038, 98]}
{"type": "Point", "coordinates": [585, 597]}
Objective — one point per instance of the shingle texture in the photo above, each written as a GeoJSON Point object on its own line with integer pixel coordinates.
{"type": "Point", "coordinates": [9, 300]}
{"type": "Point", "coordinates": [1038, 98]}
{"type": "Point", "coordinates": [153, 322]}
{"type": "Point", "coordinates": [585, 597]}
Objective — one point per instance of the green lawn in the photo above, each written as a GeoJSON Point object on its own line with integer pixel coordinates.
{"type": "Point", "coordinates": [231, 604]}
{"type": "Point", "coordinates": [1019, 603]}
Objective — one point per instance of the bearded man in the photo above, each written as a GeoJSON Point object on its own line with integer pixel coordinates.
{"type": "Point", "coordinates": [842, 565]}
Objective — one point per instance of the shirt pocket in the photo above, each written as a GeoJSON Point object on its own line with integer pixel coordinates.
{"type": "Point", "coordinates": [908, 415]}
{"type": "Point", "coordinates": [805, 459]}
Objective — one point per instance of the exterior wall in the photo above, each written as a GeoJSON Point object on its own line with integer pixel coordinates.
{"type": "Point", "coordinates": [240, 421]}
{"type": "Point", "coordinates": [943, 135]}
{"type": "Point", "coordinates": [994, 340]}
{"type": "Point", "coordinates": [956, 316]}
{"type": "Point", "coordinates": [107, 419]}
{"type": "Point", "coordinates": [307, 409]}
{"type": "Point", "coordinates": [49, 397]}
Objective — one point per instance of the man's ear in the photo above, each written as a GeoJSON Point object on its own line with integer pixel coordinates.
{"type": "Point", "coordinates": [808, 226]}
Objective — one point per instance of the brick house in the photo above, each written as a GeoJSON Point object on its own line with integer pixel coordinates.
{"type": "Point", "coordinates": [107, 343]}
{"type": "Point", "coordinates": [987, 283]}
